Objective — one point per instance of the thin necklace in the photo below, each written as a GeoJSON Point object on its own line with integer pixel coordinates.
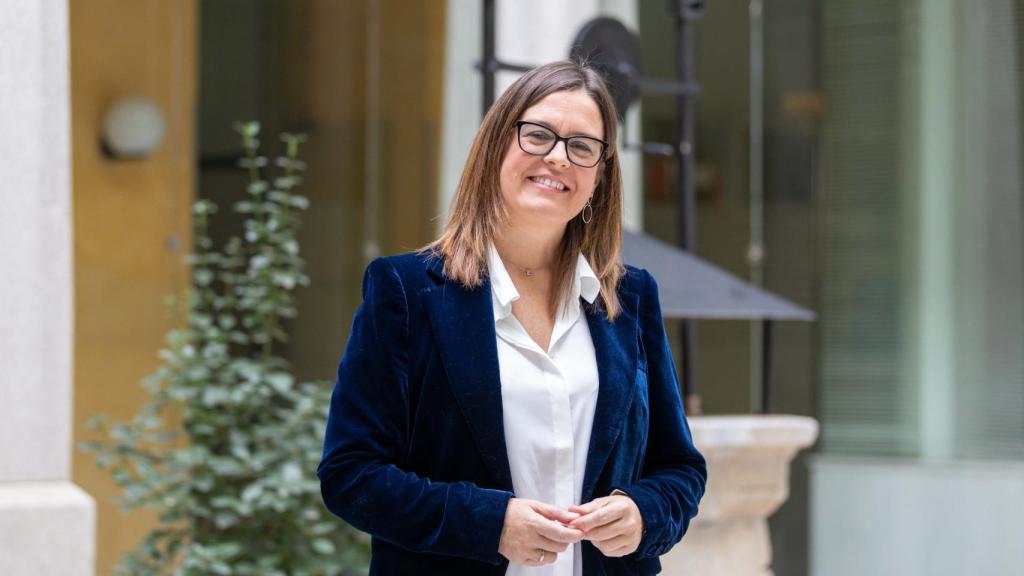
{"type": "Point", "coordinates": [527, 271]}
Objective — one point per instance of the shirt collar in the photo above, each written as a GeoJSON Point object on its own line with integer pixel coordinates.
{"type": "Point", "coordinates": [589, 285]}
{"type": "Point", "coordinates": [503, 290]}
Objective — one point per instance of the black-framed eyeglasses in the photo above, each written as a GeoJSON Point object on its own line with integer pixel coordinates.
{"type": "Point", "coordinates": [539, 140]}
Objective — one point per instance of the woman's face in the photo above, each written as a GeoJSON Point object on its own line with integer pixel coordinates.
{"type": "Point", "coordinates": [549, 190]}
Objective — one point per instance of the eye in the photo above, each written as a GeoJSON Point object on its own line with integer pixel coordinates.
{"type": "Point", "coordinates": [583, 147]}
{"type": "Point", "coordinates": [539, 135]}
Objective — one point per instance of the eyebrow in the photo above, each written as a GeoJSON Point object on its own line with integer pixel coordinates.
{"type": "Point", "coordinates": [550, 127]}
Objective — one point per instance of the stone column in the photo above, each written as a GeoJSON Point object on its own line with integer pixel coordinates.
{"type": "Point", "coordinates": [748, 479]}
{"type": "Point", "coordinates": [46, 522]}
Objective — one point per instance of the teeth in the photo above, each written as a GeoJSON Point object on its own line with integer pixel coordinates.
{"type": "Point", "coordinates": [549, 182]}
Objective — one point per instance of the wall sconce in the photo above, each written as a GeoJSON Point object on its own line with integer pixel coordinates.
{"type": "Point", "coordinates": [133, 129]}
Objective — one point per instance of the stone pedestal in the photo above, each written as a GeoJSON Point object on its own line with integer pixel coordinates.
{"type": "Point", "coordinates": [748, 479]}
{"type": "Point", "coordinates": [45, 528]}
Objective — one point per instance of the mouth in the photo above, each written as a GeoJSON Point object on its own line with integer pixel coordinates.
{"type": "Point", "coordinates": [549, 183]}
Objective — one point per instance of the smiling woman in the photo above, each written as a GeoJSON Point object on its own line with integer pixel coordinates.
{"type": "Point", "coordinates": [507, 402]}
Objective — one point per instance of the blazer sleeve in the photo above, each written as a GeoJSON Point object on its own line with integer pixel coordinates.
{"type": "Point", "coordinates": [674, 473]}
{"type": "Point", "coordinates": [361, 475]}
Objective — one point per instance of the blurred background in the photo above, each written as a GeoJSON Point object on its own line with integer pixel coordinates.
{"type": "Point", "coordinates": [885, 190]}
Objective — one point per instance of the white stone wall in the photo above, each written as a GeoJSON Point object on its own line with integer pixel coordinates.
{"type": "Point", "coordinates": [46, 523]}
{"type": "Point", "coordinates": [876, 516]}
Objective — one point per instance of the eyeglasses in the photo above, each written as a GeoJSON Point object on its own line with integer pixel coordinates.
{"type": "Point", "coordinates": [539, 140]}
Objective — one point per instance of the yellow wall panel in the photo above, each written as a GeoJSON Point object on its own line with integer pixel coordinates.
{"type": "Point", "coordinates": [131, 222]}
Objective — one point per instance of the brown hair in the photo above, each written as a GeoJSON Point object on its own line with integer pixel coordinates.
{"type": "Point", "coordinates": [477, 208]}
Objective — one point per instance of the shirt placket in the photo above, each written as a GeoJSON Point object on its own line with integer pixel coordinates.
{"type": "Point", "coordinates": [562, 432]}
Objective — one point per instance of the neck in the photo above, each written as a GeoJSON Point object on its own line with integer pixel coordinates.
{"type": "Point", "coordinates": [528, 249]}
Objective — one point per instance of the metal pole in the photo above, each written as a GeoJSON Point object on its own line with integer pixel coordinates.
{"type": "Point", "coordinates": [685, 11]}
{"type": "Point", "coordinates": [756, 249]}
{"type": "Point", "coordinates": [766, 367]}
{"type": "Point", "coordinates": [684, 125]}
{"type": "Point", "coordinates": [488, 64]}
{"type": "Point", "coordinates": [371, 189]}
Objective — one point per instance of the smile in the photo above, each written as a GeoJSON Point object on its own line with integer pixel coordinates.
{"type": "Point", "coordinates": [549, 183]}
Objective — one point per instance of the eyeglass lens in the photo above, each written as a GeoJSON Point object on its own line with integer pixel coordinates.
{"type": "Point", "coordinates": [540, 141]}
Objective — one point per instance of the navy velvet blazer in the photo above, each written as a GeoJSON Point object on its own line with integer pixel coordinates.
{"type": "Point", "coordinates": [414, 452]}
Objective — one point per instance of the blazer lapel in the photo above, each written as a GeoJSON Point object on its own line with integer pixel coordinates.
{"type": "Point", "coordinates": [463, 325]}
{"type": "Point", "coordinates": [616, 346]}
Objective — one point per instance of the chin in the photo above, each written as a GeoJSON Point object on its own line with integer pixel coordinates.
{"type": "Point", "coordinates": [544, 217]}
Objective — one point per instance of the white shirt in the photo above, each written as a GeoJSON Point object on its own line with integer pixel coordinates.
{"type": "Point", "coordinates": [548, 400]}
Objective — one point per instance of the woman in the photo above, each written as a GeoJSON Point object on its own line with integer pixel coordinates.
{"type": "Point", "coordinates": [507, 402]}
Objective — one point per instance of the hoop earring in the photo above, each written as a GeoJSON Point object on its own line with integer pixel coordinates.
{"type": "Point", "coordinates": [583, 214]}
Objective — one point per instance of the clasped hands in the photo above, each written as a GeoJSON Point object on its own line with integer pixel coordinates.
{"type": "Point", "coordinates": [535, 533]}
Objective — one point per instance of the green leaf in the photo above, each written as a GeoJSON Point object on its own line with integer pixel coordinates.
{"type": "Point", "coordinates": [281, 381]}
{"type": "Point", "coordinates": [247, 129]}
{"type": "Point", "coordinates": [224, 502]}
{"type": "Point", "coordinates": [259, 262]}
{"type": "Point", "coordinates": [215, 396]}
{"type": "Point", "coordinates": [226, 551]}
{"type": "Point", "coordinates": [252, 492]}
{"type": "Point", "coordinates": [291, 472]}
{"type": "Point", "coordinates": [89, 446]}
{"type": "Point", "coordinates": [258, 187]}
{"type": "Point", "coordinates": [323, 546]}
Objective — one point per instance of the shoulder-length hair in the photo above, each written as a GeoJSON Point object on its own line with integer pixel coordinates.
{"type": "Point", "coordinates": [478, 209]}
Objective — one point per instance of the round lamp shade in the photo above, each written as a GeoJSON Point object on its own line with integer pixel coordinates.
{"type": "Point", "coordinates": [133, 128]}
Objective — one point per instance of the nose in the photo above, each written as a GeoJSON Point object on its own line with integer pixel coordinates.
{"type": "Point", "coordinates": [559, 155]}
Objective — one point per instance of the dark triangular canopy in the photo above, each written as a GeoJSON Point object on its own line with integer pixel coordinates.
{"type": "Point", "coordinates": [691, 288]}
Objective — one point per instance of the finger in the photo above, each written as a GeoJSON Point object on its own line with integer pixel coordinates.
{"type": "Point", "coordinates": [554, 512]}
{"type": "Point", "coordinates": [622, 546]}
{"type": "Point", "coordinates": [615, 547]}
{"type": "Point", "coordinates": [539, 557]}
{"type": "Point", "coordinates": [530, 558]}
{"type": "Point", "coordinates": [559, 533]}
{"type": "Point", "coordinates": [597, 518]}
{"type": "Point", "coordinates": [550, 546]}
{"type": "Point", "coordinates": [627, 548]}
{"type": "Point", "coordinates": [548, 558]}
{"type": "Point", "coordinates": [606, 532]}
{"type": "Point", "coordinates": [589, 506]}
